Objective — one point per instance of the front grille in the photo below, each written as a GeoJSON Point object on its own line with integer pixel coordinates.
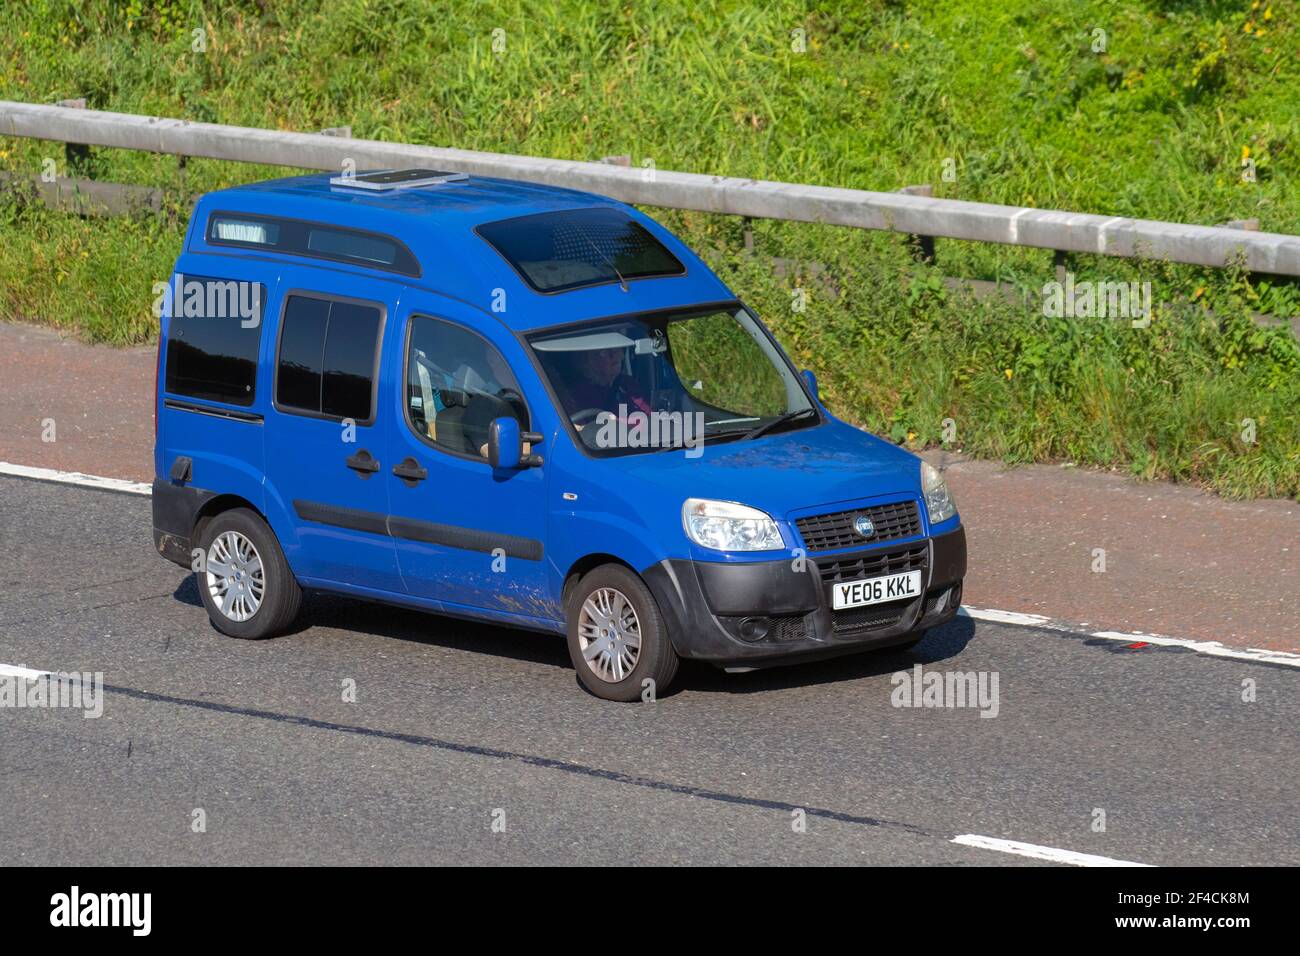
{"type": "Point", "coordinates": [830, 531]}
{"type": "Point", "coordinates": [872, 564]}
{"type": "Point", "coordinates": [788, 627]}
{"type": "Point", "coordinates": [874, 618]}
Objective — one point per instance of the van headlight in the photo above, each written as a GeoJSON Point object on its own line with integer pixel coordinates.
{"type": "Point", "coordinates": [938, 500]}
{"type": "Point", "coordinates": [727, 526]}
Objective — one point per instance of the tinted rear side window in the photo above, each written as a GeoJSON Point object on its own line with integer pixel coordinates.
{"type": "Point", "coordinates": [348, 373]}
{"type": "Point", "coordinates": [555, 251]}
{"type": "Point", "coordinates": [302, 353]}
{"type": "Point", "coordinates": [326, 361]}
{"type": "Point", "coordinates": [213, 337]}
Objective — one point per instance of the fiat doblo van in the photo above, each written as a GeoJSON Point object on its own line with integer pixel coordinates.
{"type": "Point", "coordinates": [523, 405]}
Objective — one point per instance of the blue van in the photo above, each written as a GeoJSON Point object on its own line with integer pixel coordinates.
{"type": "Point", "coordinates": [523, 405]}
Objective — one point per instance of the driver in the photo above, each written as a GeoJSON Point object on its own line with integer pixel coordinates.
{"type": "Point", "coordinates": [601, 383]}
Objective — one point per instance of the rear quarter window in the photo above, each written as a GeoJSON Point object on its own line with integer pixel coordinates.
{"type": "Point", "coordinates": [326, 359]}
{"type": "Point", "coordinates": [214, 333]}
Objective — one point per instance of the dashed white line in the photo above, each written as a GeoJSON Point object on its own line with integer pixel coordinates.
{"type": "Point", "coordinates": [1035, 852]}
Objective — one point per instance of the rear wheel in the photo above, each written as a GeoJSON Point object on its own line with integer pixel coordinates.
{"type": "Point", "coordinates": [617, 637]}
{"type": "Point", "coordinates": [245, 582]}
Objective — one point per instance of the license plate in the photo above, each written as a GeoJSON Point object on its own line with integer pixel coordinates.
{"type": "Point", "coordinates": [892, 587]}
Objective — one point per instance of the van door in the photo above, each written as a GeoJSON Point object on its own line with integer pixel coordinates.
{"type": "Point", "coordinates": [213, 397]}
{"type": "Point", "coordinates": [467, 535]}
{"type": "Point", "coordinates": [326, 433]}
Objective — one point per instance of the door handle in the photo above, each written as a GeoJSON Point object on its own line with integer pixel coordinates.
{"type": "Point", "coordinates": [410, 472]}
{"type": "Point", "coordinates": [363, 463]}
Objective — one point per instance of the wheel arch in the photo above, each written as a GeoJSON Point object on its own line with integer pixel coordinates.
{"type": "Point", "coordinates": [584, 566]}
{"type": "Point", "coordinates": [215, 506]}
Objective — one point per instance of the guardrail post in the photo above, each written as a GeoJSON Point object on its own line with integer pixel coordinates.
{"type": "Point", "coordinates": [1059, 258]}
{"type": "Point", "coordinates": [922, 246]}
{"type": "Point", "coordinates": [748, 225]}
{"type": "Point", "coordinates": [76, 154]}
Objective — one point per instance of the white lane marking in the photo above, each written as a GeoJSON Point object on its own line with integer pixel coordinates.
{"type": "Point", "coordinates": [1209, 648]}
{"type": "Point", "coordinates": [74, 478]}
{"type": "Point", "coordinates": [26, 673]}
{"type": "Point", "coordinates": [1212, 648]}
{"type": "Point", "coordinates": [1004, 617]}
{"type": "Point", "coordinates": [1035, 852]}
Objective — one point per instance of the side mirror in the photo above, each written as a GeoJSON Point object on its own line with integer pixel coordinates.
{"type": "Point", "coordinates": [505, 445]}
{"type": "Point", "coordinates": [811, 379]}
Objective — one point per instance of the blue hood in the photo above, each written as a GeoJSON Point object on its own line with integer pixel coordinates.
{"type": "Point", "coordinates": [788, 471]}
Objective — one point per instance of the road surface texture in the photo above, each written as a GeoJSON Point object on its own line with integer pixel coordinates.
{"type": "Point", "coordinates": [1178, 562]}
{"type": "Point", "coordinates": [457, 725]}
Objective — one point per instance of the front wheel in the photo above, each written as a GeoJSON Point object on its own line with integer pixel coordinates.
{"type": "Point", "coordinates": [617, 638]}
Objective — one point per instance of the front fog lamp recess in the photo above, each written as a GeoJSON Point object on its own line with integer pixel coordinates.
{"type": "Point", "coordinates": [728, 526]}
{"type": "Point", "coordinates": [938, 500]}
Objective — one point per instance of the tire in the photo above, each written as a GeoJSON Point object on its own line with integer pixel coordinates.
{"type": "Point", "coordinates": [608, 675]}
{"type": "Point", "coordinates": [280, 596]}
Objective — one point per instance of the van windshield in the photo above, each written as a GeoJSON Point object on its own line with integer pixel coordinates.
{"type": "Point", "coordinates": [671, 380]}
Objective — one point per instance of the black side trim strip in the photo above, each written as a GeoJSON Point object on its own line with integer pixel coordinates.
{"type": "Point", "coordinates": [411, 529]}
{"type": "Point", "coordinates": [253, 417]}
{"type": "Point", "coordinates": [466, 539]}
{"type": "Point", "coordinates": [351, 518]}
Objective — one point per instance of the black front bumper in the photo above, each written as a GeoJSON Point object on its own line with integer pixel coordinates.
{"type": "Point", "coordinates": [769, 612]}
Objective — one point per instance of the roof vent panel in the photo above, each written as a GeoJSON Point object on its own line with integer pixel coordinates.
{"type": "Point", "coordinates": [387, 180]}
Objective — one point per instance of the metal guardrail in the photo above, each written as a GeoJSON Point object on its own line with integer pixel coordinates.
{"type": "Point", "coordinates": [1213, 246]}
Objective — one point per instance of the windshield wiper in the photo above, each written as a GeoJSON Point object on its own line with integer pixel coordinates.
{"type": "Point", "coordinates": [766, 427]}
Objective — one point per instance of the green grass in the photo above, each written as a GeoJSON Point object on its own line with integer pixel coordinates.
{"type": "Point", "coordinates": [1010, 97]}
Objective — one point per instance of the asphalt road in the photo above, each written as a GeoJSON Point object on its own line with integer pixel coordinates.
{"type": "Point", "coordinates": [456, 725]}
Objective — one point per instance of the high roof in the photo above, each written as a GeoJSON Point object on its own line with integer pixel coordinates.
{"type": "Point", "coordinates": [437, 223]}
{"type": "Point", "coordinates": [468, 201]}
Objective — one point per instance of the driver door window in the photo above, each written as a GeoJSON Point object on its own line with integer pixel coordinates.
{"type": "Point", "coordinates": [456, 384]}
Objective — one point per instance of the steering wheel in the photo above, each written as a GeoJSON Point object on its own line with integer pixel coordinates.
{"type": "Point", "coordinates": [585, 415]}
